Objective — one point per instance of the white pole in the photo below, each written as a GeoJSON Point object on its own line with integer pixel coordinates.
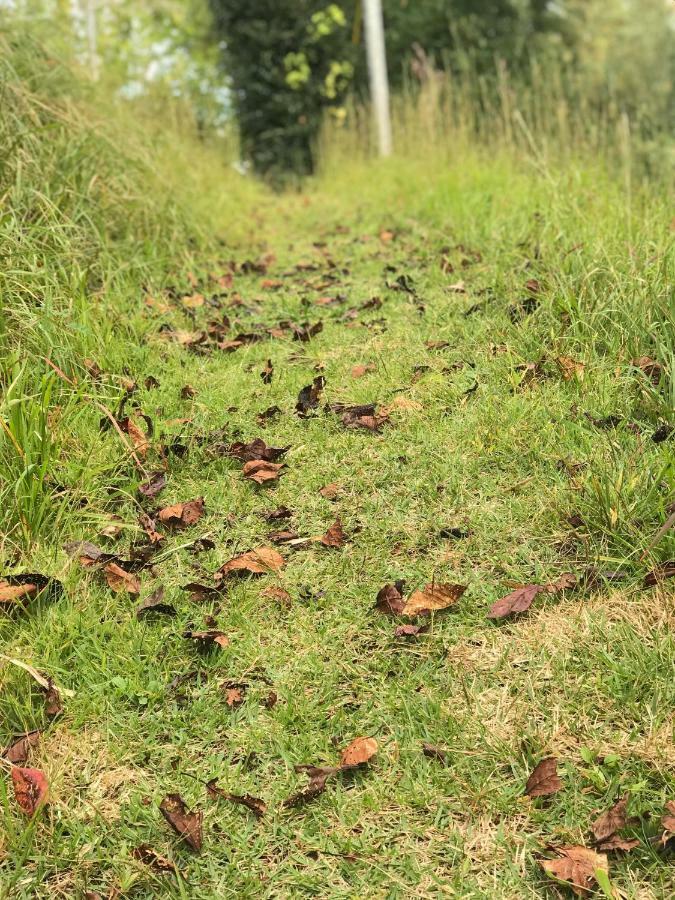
{"type": "Point", "coordinates": [92, 42]}
{"type": "Point", "coordinates": [377, 70]}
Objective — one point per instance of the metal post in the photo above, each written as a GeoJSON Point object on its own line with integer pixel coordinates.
{"type": "Point", "coordinates": [377, 70]}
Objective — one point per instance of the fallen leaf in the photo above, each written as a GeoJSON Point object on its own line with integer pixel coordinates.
{"type": "Point", "coordinates": [408, 630]}
{"type": "Point", "coordinates": [544, 779]}
{"type": "Point", "coordinates": [234, 693]}
{"type": "Point", "coordinates": [185, 823]}
{"type": "Point", "coordinates": [318, 776]}
{"type": "Point", "coordinates": [335, 536]}
{"type": "Point", "coordinates": [120, 580]}
{"type": "Point", "coordinates": [262, 472]}
{"type": "Point", "coordinates": [154, 485]}
{"type": "Point", "coordinates": [19, 589]}
{"type": "Point", "coordinates": [155, 604]}
{"type": "Point", "coordinates": [308, 398]}
{"type": "Point", "coordinates": [650, 367]}
{"type": "Point", "coordinates": [434, 597]}
{"type": "Point", "coordinates": [257, 806]}
{"type": "Point", "coordinates": [436, 345]}
{"type": "Point", "coordinates": [436, 753]}
{"type": "Point", "coordinates": [256, 449]}
{"type": "Point", "coordinates": [618, 843]}
{"type": "Point", "coordinates": [668, 822]}
{"type": "Point", "coordinates": [138, 437]}
{"type": "Point", "coordinates": [30, 789]}
{"type": "Point", "coordinates": [577, 866]}
{"type": "Point", "coordinates": [182, 515]}
{"type": "Point", "coordinates": [570, 368]}
{"type": "Point", "coordinates": [187, 392]}
{"type": "Point", "coordinates": [207, 639]}
{"type": "Point", "coordinates": [363, 416]}
{"type": "Point", "coordinates": [566, 582]}
{"type": "Point", "coordinates": [360, 371]}
{"type": "Point", "coordinates": [274, 515]}
{"type": "Point", "coordinates": [277, 593]}
{"type": "Point", "coordinates": [145, 854]}
{"type": "Point", "coordinates": [517, 601]}
{"type": "Point", "coordinates": [18, 750]}
{"type": "Point", "coordinates": [254, 562]}
{"type": "Point", "coordinates": [458, 288]}
{"type": "Point", "coordinates": [268, 372]}
{"type": "Point", "coordinates": [660, 573]}
{"type": "Point", "coordinates": [390, 599]}
{"type": "Point", "coordinates": [200, 592]}
{"type": "Point", "coordinates": [606, 825]}
{"type": "Point", "coordinates": [358, 752]}
{"type": "Point", "coordinates": [330, 491]}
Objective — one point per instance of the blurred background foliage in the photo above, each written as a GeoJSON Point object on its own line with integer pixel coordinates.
{"type": "Point", "coordinates": [277, 68]}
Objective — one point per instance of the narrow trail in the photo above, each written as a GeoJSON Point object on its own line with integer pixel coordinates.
{"type": "Point", "coordinates": [354, 405]}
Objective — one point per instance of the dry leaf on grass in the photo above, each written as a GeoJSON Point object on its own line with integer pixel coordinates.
{"type": "Point", "coordinates": [437, 753]}
{"type": "Point", "coordinates": [520, 600]}
{"type": "Point", "coordinates": [358, 753]}
{"type": "Point", "coordinates": [335, 536]}
{"type": "Point", "coordinates": [120, 580]}
{"type": "Point", "coordinates": [254, 562]}
{"type": "Point", "coordinates": [434, 598]}
{"type": "Point", "coordinates": [330, 491]}
{"type": "Point", "coordinates": [668, 822]}
{"type": "Point", "coordinates": [145, 854]}
{"type": "Point", "coordinates": [256, 449]}
{"type": "Point", "coordinates": [207, 639]}
{"type": "Point", "coordinates": [576, 866]}
{"type": "Point", "coordinates": [18, 750]}
{"type": "Point", "coordinates": [19, 589]}
{"type": "Point", "coordinates": [544, 779]}
{"type": "Point", "coordinates": [262, 472]}
{"type": "Point", "coordinates": [570, 368]}
{"type": "Point", "coordinates": [182, 515]}
{"type": "Point", "coordinates": [30, 789]}
{"type": "Point", "coordinates": [257, 806]}
{"type": "Point", "coordinates": [273, 592]}
{"type": "Point", "coordinates": [156, 604]}
{"type": "Point", "coordinates": [185, 823]}
{"type": "Point", "coordinates": [153, 485]}
{"type": "Point", "coordinates": [360, 371]}
{"type": "Point", "coordinates": [606, 825]}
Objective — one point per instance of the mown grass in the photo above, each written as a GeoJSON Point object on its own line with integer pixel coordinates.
{"type": "Point", "coordinates": [586, 676]}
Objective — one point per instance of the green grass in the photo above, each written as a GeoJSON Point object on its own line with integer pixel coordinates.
{"type": "Point", "coordinates": [585, 676]}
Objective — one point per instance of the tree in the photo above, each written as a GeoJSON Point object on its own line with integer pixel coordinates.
{"type": "Point", "coordinates": [288, 61]}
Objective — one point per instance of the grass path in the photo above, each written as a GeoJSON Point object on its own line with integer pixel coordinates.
{"type": "Point", "coordinates": [495, 317]}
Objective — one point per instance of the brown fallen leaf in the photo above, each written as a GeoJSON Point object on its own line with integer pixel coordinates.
{"type": "Point", "coordinates": [155, 604]}
{"type": "Point", "coordinates": [19, 589]}
{"type": "Point", "coordinates": [138, 437]}
{"type": "Point", "coordinates": [606, 825]}
{"type": "Point", "coordinates": [182, 515]}
{"type": "Point", "coordinates": [185, 823]}
{"type": "Point", "coordinates": [618, 843]}
{"type": "Point", "coordinates": [408, 630]}
{"type": "Point", "coordinates": [566, 582]}
{"type": "Point", "coordinates": [308, 398]}
{"type": "Point", "coordinates": [267, 373]}
{"type": "Point", "coordinates": [358, 752]}
{"type": "Point", "coordinates": [363, 416]}
{"type": "Point", "coordinates": [254, 562]}
{"type": "Point", "coordinates": [544, 779]}
{"type": "Point", "coordinates": [153, 485]}
{"type": "Point", "coordinates": [668, 822]}
{"type": "Point", "coordinates": [335, 536]}
{"type": "Point", "coordinates": [570, 368]}
{"type": "Point", "coordinates": [433, 598]}
{"type": "Point", "coordinates": [577, 866]}
{"type": "Point", "coordinates": [318, 776]}
{"type": "Point", "coordinates": [52, 699]}
{"type": "Point", "coordinates": [120, 580]}
{"type": "Point", "coordinates": [234, 693]}
{"type": "Point", "coordinates": [517, 601]}
{"type": "Point", "coordinates": [330, 491]}
{"type": "Point", "coordinates": [257, 806]}
{"type": "Point", "coordinates": [360, 371]}
{"type": "Point", "coordinates": [650, 367]}
{"type": "Point", "coordinates": [660, 573]}
{"type": "Point", "coordinates": [145, 854]}
{"type": "Point", "coordinates": [262, 472]}
{"type": "Point", "coordinates": [277, 593]}
{"type": "Point", "coordinates": [207, 639]}
{"type": "Point", "coordinates": [275, 515]}
{"type": "Point", "coordinates": [256, 449]}
{"type": "Point", "coordinates": [30, 789]}
{"type": "Point", "coordinates": [390, 599]}
{"type": "Point", "coordinates": [18, 750]}
{"type": "Point", "coordinates": [437, 753]}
